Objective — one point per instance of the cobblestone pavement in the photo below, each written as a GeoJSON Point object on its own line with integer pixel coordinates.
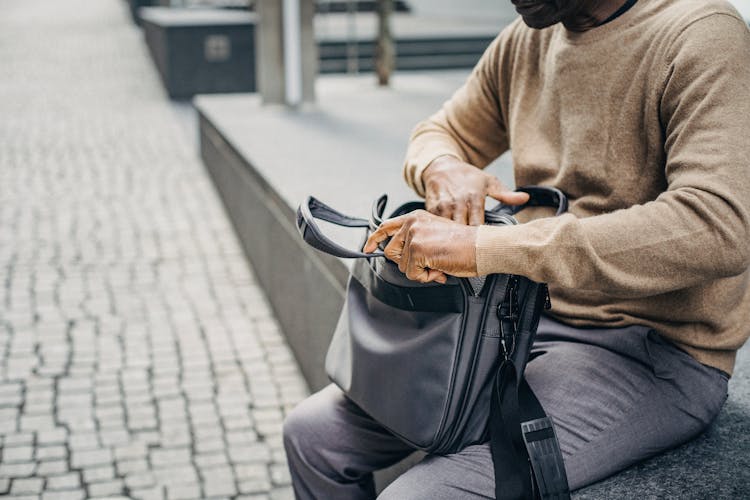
{"type": "Point", "coordinates": [138, 356]}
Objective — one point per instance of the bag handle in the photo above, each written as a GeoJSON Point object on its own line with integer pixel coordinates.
{"type": "Point", "coordinates": [312, 209]}
{"type": "Point", "coordinates": [539, 196]}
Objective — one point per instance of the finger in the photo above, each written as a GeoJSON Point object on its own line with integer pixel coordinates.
{"type": "Point", "coordinates": [436, 276]}
{"type": "Point", "coordinates": [497, 190]}
{"type": "Point", "coordinates": [431, 203]}
{"type": "Point", "coordinates": [476, 211]}
{"type": "Point", "coordinates": [426, 275]}
{"type": "Point", "coordinates": [461, 213]}
{"type": "Point", "coordinates": [395, 248]}
{"type": "Point", "coordinates": [443, 206]}
{"type": "Point", "coordinates": [410, 264]}
{"type": "Point", "coordinates": [406, 252]}
{"type": "Point", "coordinates": [387, 229]}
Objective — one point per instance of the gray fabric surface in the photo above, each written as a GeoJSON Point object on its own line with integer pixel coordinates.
{"type": "Point", "coordinates": [617, 396]}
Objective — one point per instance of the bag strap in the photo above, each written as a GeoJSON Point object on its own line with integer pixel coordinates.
{"type": "Point", "coordinates": [526, 455]}
{"type": "Point", "coordinates": [312, 210]}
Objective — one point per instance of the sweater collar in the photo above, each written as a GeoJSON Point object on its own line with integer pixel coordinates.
{"type": "Point", "coordinates": [628, 18]}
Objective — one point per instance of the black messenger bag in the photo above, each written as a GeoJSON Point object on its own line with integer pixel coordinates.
{"type": "Point", "coordinates": [441, 365]}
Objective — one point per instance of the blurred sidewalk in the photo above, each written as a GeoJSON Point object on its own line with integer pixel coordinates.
{"type": "Point", "coordinates": [138, 356]}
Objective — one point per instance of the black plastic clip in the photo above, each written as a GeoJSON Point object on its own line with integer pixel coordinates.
{"type": "Point", "coordinates": [546, 459]}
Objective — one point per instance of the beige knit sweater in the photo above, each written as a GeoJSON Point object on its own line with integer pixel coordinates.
{"type": "Point", "coordinates": [645, 123]}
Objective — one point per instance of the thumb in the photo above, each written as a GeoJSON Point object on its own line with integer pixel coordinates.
{"type": "Point", "coordinates": [498, 191]}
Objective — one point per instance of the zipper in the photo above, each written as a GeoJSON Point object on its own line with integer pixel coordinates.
{"type": "Point", "coordinates": [507, 313]}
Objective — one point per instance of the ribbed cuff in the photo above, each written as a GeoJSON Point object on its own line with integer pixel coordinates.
{"type": "Point", "coordinates": [415, 167]}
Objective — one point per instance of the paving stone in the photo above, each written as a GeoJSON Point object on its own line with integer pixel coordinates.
{"type": "Point", "coordinates": [132, 450]}
{"type": "Point", "coordinates": [106, 488]}
{"type": "Point", "coordinates": [13, 454]}
{"type": "Point", "coordinates": [98, 474]}
{"type": "Point", "coordinates": [257, 471]}
{"type": "Point", "coordinates": [184, 492]}
{"type": "Point", "coordinates": [21, 469]}
{"type": "Point", "coordinates": [69, 481]}
{"type": "Point", "coordinates": [216, 486]}
{"type": "Point", "coordinates": [155, 493]}
{"type": "Point", "coordinates": [210, 445]}
{"type": "Point", "coordinates": [89, 458]}
{"type": "Point", "coordinates": [128, 466]}
{"type": "Point", "coordinates": [51, 467]}
{"type": "Point", "coordinates": [247, 436]}
{"type": "Point", "coordinates": [83, 441]}
{"type": "Point", "coordinates": [18, 439]}
{"type": "Point", "coordinates": [169, 457]}
{"type": "Point", "coordinates": [64, 495]}
{"type": "Point", "coordinates": [112, 437]}
{"type": "Point", "coordinates": [282, 494]}
{"type": "Point", "coordinates": [257, 452]}
{"type": "Point", "coordinates": [51, 452]}
{"type": "Point", "coordinates": [30, 486]}
{"type": "Point", "coordinates": [140, 480]}
{"type": "Point", "coordinates": [208, 460]}
{"type": "Point", "coordinates": [254, 486]}
{"type": "Point", "coordinates": [57, 435]}
{"type": "Point", "coordinates": [280, 475]}
{"type": "Point", "coordinates": [8, 420]}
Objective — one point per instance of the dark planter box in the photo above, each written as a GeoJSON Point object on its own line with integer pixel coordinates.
{"type": "Point", "coordinates": [135, 6]}
{"type": "Point", "coordinates": [201, 51]}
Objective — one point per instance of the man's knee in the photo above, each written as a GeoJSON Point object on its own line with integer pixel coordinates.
{"type": "Point", "coordinates": [311, 426]}
{"type": "Point", "coordinates": [299, 427]}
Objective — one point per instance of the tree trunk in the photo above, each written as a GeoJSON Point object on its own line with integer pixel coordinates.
{"type": "Point", "coordinates": [385, 50]}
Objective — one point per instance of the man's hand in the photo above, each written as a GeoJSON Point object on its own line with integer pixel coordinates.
{"type": "Point", "coordinates": [456, 190]}
{"type": "Point", "coordinates": [427, 247]}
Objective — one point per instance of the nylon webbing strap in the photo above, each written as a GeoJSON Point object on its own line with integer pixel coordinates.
{"type": "Point", "coordinates": [525, 452]}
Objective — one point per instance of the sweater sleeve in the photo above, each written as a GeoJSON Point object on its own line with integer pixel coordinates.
{"type": "Point", "coordinates": [469, 126]}
{"type": "Point", "coordinates": [699, 228]}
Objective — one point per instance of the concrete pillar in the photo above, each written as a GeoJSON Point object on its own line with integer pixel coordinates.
{"type": "Point", "coordinates": [271, 70]}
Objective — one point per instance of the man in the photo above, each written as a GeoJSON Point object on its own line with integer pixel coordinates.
{"type": "Point", "coordinates": [640, 112]}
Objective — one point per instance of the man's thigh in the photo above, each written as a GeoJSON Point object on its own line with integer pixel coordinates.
{"type": "Point", "coordinates": [616, 397]}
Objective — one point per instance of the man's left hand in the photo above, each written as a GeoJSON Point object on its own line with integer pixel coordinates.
{"type": "Point", "coordinates": [427, 247]}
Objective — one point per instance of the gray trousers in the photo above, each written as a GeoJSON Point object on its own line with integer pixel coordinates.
{"type": "Point", "coordinates": [616, 396]}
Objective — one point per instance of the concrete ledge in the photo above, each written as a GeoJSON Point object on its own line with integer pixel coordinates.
{"type": "Point", "coordinates": [346, 151]}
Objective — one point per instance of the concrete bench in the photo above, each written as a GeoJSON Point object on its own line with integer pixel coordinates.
{"type": "Point", "coordinates": [201, 50]}
{"type": "Point", "coordinates": [347, 151]}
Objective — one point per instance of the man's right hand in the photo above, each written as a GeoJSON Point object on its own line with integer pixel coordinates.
{"type": "Point", "coordinates": [457, 190]}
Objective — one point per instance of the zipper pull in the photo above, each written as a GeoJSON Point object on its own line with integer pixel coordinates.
{"type": "Point", "coordinates": [547, 299]}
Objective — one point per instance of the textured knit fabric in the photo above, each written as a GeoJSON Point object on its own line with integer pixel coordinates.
{"type": "Point", "coordinates": [645, 123]}
{"type": "Point", "coordinates": [616, 397]}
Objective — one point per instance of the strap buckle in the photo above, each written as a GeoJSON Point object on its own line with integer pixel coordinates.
{"type": "Point", "coordinates": [546, 459]}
